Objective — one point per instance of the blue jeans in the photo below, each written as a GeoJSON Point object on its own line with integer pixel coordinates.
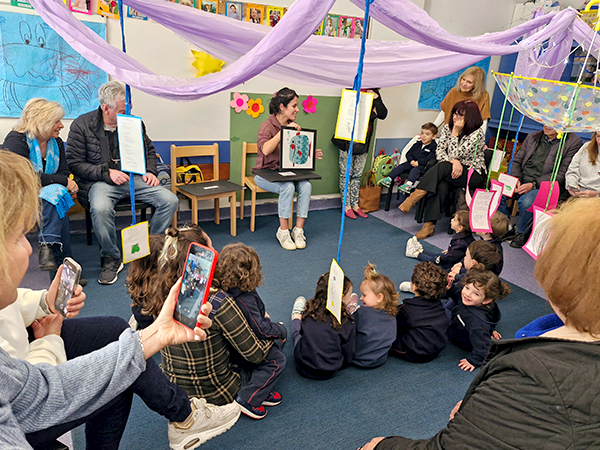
{"type": "Point", "coordinates": [286, 191]}
{"type": "Point", "coordinates": [104, 427]}
{"type": "Point", "coordinates": [103, 197]}
{"type": "Point", "coordinates": [525, 217]}
{"type": "Point", "coordinates": [55, 230]}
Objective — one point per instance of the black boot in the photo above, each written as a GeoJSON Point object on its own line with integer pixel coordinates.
{"type": "Point", "coordinates": [46, 257]}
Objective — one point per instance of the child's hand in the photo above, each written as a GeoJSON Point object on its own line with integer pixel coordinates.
{"type": "Point", "coordinates": [496, 335]}
{"type": "Point", "coordinates": [319, 154]}
{"type": "Point", "coordinates": [456, 268]}
{"type": "Point", "coordinates": [466, 365]}
{"type": "Point", "coordinates": [445, 251]}
{"type": "Point", "coordinates": [451, 277]}
{"type": "Point", "coordinates": [267, 315]}
{"type": "Point", "coordinates": [455, 410]}
{"type": "Point", "coordinates": [414, 163]}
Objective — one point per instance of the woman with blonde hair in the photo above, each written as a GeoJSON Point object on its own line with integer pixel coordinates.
{"type": "Point", "coordinates": [539, 391]}
{"type": "Point", "coordinates": [36, 137]}
{"type": "Point", "coordinates": [582, 178]}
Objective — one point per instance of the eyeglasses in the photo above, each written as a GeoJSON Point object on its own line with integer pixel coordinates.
{"type": "Point", "coordinates": [459, 114]}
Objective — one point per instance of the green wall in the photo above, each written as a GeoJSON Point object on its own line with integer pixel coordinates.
{"type": "Point", "coordinates": [245, 128]}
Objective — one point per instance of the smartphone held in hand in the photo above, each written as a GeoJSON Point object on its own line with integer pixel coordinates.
{"type": "Point", "coordinates": [195, 283]}
{"type": "Point", "coordinates": [69, 280]}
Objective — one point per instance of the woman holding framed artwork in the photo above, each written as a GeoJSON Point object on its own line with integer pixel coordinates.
{"type": "Point", "coordinates": [283, 108]}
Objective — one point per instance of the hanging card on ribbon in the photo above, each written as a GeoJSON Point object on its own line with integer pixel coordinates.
{"type": "Point", "coordinates": [335, 290]}
{"type": "Point", "coordinates": [136, 242]}
{"type": "Point", "coordinates": [479, 214]}
{"type": "Point", "coordinates": [345, 119]}
{"type": "Point", "coordinates": [543, 194]}
{"type": "Point", "coordinates": [131, 144]}
{"type": "Point", "coordinates": [509, 182]}
{"type": "Point", "coordinates": [497, 188]}
{"type": "Point", "coordinates": [537, 241]}
{"type": "Point", "coordinates": [496, 161]}
{"type": "Point", "coordinates": [467, 191]}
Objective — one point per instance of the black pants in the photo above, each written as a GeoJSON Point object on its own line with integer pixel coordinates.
{"type": "Point", "coordinates": [439, 183]}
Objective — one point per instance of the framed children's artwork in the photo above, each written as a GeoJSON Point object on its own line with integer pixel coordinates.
{"type": "Point", "coordinates": [21, 3]}
{"type": "Point", "coordinates": [255, 13]}
{"type": "Point", "coordinates": [108, 8]}
{"type": "Point", "coordinates": [133, 14]}
{"type": "Point", "coordinates": [81, 6]}
{"type": "Point", "coordinates": [297, 149]}
{"type": "Point", "coordinates": [346, 27]}
{"type": "Point", "coordinates": [359, 27]}
{"type": "Point", "coordinates": [331, 25]}
{"type": "Point", "coordinates": [190, 3]}
{"type": "Point", "coordinates": [209, 6]}
{"type": "Point", "coordinates": [319, 31]}
{"type": "Point", "coordinates": [234, 10]}
{"type": "Point", "coordinates": [274, 15]}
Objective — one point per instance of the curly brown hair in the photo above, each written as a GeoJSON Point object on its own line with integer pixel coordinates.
{"type": "Point", "coordinates": [238, 267]}
{"type": "Point", "coordinates": [168, 253]}
{"type": "Point", "coordinates": [493, 287]}
{"type": "Point", "coordinates": [380, 284]}
{"type": "Point", "coordinates": [500, 224]}
{"type": "Point", "coordinates": [430, 280]}
{"type": "Point", "coordinates": [316, 307]}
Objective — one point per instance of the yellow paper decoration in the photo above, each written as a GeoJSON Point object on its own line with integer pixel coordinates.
{"type": "Point", "coordinates": [206, 63]}
{"type": "Point", "coordinates": [255, 108]}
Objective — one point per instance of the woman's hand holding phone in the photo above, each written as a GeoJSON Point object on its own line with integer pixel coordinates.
{"type": "Point", "coordinates": [75, 303]}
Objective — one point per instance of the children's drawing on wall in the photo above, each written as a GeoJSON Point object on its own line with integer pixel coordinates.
{"type": "Point", "coordinates": [81, 6]}
{"type": "Point", "coordinates": [434, 91]}
{"type": "Point", "coordinates": [108, 8]}
{"type": "Point", "coordinates": [331, 26]}
{"type": "Point", "coordinates": [189, 3]}
{"type": "Point", "coordinates": [274, 14]}
{"type": "Point", "coordinates": [21, 3]}
{"type": "Point", "coordinates": [37, 62]}
{"type": "Point", "coordinates": [133, 14]}
{"type": "Point", "coordinates": [255, 13]}
{"type": "Point", "coordinates": [209, 6]}
{"type": "Point", "coordinates": [345, 27]}
{"type": "Point", "coordinates": [358, 27]}
{"type": "Point", "coordinates": [234, 10]}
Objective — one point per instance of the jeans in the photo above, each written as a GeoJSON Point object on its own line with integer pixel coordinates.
{"type": "Point", "coordinates": [428, 256]}
{"type": "Point", "coordinates": [356, 169]}
{"type": "Point", "coordinates": [103, 197]}
{"type": "Point", "coordinates": [525, 217]}
{"type": "Point", "coordinates": [104, 427]}
{"type": "Point", "coordinates": [413, 172]}
{"type": "Point", "coordinates": [55, 230]}
{"type": "Point", "coordinates": [286, 191]}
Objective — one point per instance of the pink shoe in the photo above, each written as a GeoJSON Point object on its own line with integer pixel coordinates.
{"type": "Point", "coordinates": [350, 214]}
{"type": "Point", "coordinates": [359, 212]}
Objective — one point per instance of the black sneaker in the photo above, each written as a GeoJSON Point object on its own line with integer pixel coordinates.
{"type": "Point", "coordinates": [519, 240]}
{"type": "Point", "coordinates": [110, 268]}
{"type": "Point", "coordinates": [509, 235]}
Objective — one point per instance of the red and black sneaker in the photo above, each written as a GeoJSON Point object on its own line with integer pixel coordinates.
{"type": "Point", "coordinates": [273, 399]}
{"type": "Point", "coordinates": [254, 412]}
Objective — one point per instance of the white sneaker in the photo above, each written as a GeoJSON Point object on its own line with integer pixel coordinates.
{"type": "Point", "coordinates": [299, 306]}
{"type": "Point", "coordinates": [298, 236]}
{"type": "Point", "coordinates": [285, 239]}
{"type": "Point", "coordinates": [412, 248]}
{"type": "Point", "coordinates": [405, 286]}
{"type": "Point", "coordinates": [207, 421]}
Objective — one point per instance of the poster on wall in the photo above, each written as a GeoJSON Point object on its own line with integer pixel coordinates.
{"type": "Point", "coordinates": [359, 27]}
{"type": "Point", "coordinates": [274, 15]}
{"type": "Point", "coordinates": [21, 3]}
{"type": "Point", "coordinates": [45, 66]}
{"type": "Point", "coordinates": [133, 14]}
{"type": "Point", "coordinates": [234, 10]}
{"type": "Point", "coordinates": [209, 6]}
{"type": "Point", "coordinates": [298, 148]}
{"type": "Point", "coordinates": [331, 26]}
{"type": "Point", "coordinates": [346, 27]}
{"type": "Point", "coordinates": [434, 91]}
{"type": "Point", "coordinates": [81, 6]}
{"type": "Point", "coordinates": [108, 8]}
{"type": "Point", "coordinates": [255, 13]}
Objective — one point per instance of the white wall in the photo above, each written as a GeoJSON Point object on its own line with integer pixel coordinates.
{"type": "Point", "coordinates": [208, 119]}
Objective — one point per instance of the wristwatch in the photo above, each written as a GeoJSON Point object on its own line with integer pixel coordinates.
{"type": "Point", "coordinates": [44, 305]}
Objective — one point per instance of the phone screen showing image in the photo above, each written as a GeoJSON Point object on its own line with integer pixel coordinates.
{"type": "Point", "coordinates": [195, 284]}
{"type": "Point", "coordinates": [68, 281]}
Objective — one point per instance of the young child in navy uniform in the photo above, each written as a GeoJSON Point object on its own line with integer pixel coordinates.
{"type": "Point", "coordinates": [475, 318]}
{"type": "Point", "coordinates": [375, 319]}
{"type": "Point", "coordinates": [239, 273]}
{"type": "Point", "coordinates": [322, 345]}
{"type": "Point", "coordinates": [417, 158]}
{"type": "Point", "coordinates": [421, 320]}
{"type": "Point", "coordinates": [500, 224]}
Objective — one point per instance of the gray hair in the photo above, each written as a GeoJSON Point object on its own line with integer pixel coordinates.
{"type": "Point", "coordinates": [110, 92]}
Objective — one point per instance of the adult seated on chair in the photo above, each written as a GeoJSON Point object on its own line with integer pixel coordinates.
{"type": "Point", "coordinates": [36, 137]}
{"type": "Point", "coordinates": [582, 178]}
{"type": "Point", "coordinates": [93, 154]}
{"type": "Point", "coordinates": [460, 145]}
{"type": "Point", "coordinates": [283, 109]}
{"type": "Point", "coordinates": [534, 163]}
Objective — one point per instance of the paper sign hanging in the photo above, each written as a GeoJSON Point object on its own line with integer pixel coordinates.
{"type": "Point", "coordinates": [335, 290]}
{"type": "Point", "coordinates": [131, 144]}
{"type": "Point", "coordinates": [467, 191]}
{"type": "Point", "coordinates": [136, 242]}
{"type": "Point", "coordinates": [538, 238]}
{"type": "Point", "coordinates": [345, 119]}
{"type": "Point", "coordinates": [479, 214]}
{"type": "Point", "coordinates": [496, 161]}
{"type": "Point", "coordinates": [497, 188]}
{"type": "Point", "coordinates": [509, 182]}
{"type": "Point", "coordinates": [542, 196]}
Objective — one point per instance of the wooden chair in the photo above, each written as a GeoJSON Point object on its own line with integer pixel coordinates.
{"type": "Point", "coordinates": [248, 182]}
{"type": "Point", "coordinates": [207, 189]}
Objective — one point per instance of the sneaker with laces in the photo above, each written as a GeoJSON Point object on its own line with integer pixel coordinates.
{"type": "Point", "coordinates": [254, 412]}
{"type": "Point", "coordinates": [405, 286]}
{"type": "Point", "coordinates": [110, 269]}
{"type": "Point", "coordinates": [299, 305]}
{"type": "Point", "coordinates": [205, 422]}
{"type": "Point", "coordinates": [284, 238]}
{"type": "Point", "coordinates": [406, 188]}
{"type": "Point", "coordinates": [386, 182]}
{"type": "Point", "coordinates": [413, 248]}
{"type": "Point", "coordinates": [273, 399]}
{"type": "Point", "coordinates": [298, 236]}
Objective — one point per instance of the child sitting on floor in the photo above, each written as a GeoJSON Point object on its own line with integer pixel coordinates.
{"type": "Point", "coordinates": [375, 320]}
{"type": "Point", "coordinates": [475, 318]}
{"type": "Point", "coordinates": [500, 224]}
{"type": "Point", "coordinates": [238, 272]}
{"type": "Point", "coordinates": [322, 345]}
{"type": "Point", "coordinates": [457, 248]}
{"type": "Point", "coordinates": [417, 159]}
{"type": "Point", "coordinates": [421, 320]}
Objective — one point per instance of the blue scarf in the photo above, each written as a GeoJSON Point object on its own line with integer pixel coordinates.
{"type": "Point", "coordinates": [56, 194]}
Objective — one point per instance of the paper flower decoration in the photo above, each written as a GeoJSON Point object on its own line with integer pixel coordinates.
{"type": "Point", "coordinates": [310, 105]}
{"type": "Point", "coordinates": [255, 108]}
{"type": "Point", "coordinates": [206, 63]}
{"type": "Point", "coordinates": [239, 102]}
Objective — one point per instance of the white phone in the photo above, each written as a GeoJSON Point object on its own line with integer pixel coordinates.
{"type": "Point", "coordinates": [71, 271]}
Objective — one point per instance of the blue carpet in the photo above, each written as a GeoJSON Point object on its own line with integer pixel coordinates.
{"type": "Point", "coordinates": [356, 405]}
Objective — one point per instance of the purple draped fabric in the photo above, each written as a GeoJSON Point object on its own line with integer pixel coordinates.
{"type": "Point", "coordinates": [291, 53]}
